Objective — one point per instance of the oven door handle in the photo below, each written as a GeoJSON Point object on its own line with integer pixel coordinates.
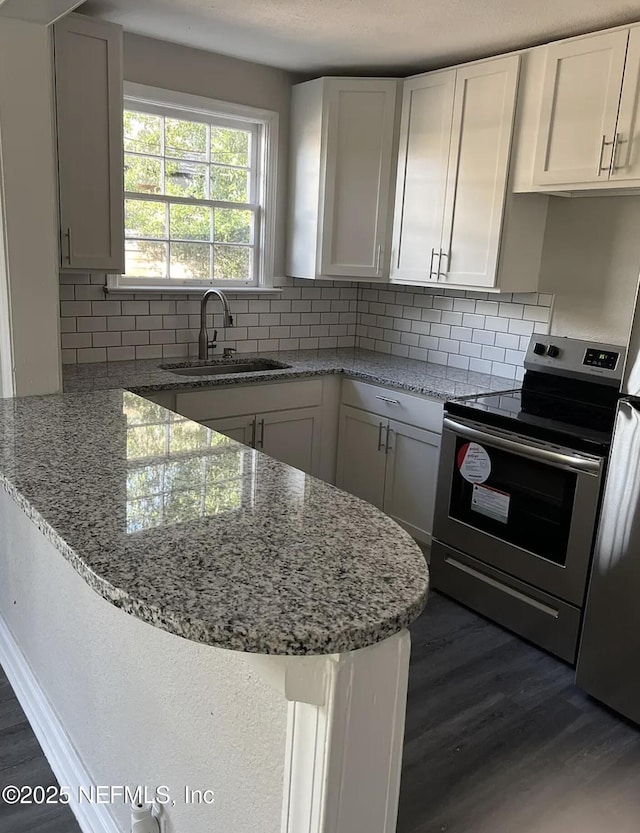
{"type": "Point", "coordinates": [543, 455]}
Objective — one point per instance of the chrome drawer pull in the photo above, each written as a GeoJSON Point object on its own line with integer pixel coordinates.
{"type": "Point", "coordinates": [390, 401]}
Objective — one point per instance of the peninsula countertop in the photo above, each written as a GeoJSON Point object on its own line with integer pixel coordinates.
{"type": "Point", "coordinates": [201, 536]}
{"type": "Point", "coordinates": [147, 375]}
{"type": "Point", "coordinates": [197, 534]}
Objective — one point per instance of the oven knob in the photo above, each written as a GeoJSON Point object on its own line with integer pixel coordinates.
{"type": "Point", "coordinates": [539, 349]}
{"type": "Point", "coordinates": [553, 351]}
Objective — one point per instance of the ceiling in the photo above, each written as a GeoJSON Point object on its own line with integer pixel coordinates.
{"type": "Point", "coordinates": [395, 36]}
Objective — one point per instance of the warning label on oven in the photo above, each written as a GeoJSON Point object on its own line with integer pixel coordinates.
{"type": "Point", "coordinates": [474, 463]}
{"type": "Point", "coordinates": [491, 502]}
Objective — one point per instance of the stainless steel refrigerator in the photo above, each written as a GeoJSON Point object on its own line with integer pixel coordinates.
{"type": "Point", "coordinates": [609, 656]}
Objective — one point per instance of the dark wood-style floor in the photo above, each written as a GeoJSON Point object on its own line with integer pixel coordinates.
{"type": "Point", "coordinates": [498, 740]}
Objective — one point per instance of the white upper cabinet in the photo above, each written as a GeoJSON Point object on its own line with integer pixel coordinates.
{"type": "Point", "coordinates": [342, 165]}
{"type": "Point", "coordinates": [483, 114]}
{"type": "Point", "coordinates": [88, 81]}
{"type": "Point", "coordinates": [579, 109]}
{"type": "Point", "coordinates": [455, 222]}
{"type": "Point", "coordinates": [425, 130]}
{"type": "Point", "coordinates": [625, 160]}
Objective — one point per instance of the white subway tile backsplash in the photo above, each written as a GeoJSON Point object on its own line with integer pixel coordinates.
{"type": "Point", "coordinates": [106, 340]}
{"type": "Point", "coordinates": [91, 325]}
{"type": "Point", "coordinates": [465, 329]}
{"type": "Point", "coordinates": [470, 319]}
{"type": "Point", "coordinates": [119, 354]}
{"type": "Point", "coordinates": [480, 365]}
{"type": "Point", "coordinates": [494, 354]}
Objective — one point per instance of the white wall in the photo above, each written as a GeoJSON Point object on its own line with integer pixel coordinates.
{"type": "Point", "coordinates": [591, 262]}
{"type": "Point", "coordinates": [142, 706]}
{"type": "Point", "coordinates": [173, 67]}
{"type": "Point", "coordinates": [29, 186]}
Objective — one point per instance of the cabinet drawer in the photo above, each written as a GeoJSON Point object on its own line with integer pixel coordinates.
{"type": "Point", "coordinates": [248, 399]}
{"type": "Point", "coordinates": [545, 620]}
{"type": "Point", "coordinates": [405, 407]}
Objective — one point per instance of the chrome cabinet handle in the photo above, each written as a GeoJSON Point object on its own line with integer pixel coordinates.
{"type": "Point", "coordinates": [560, 459]}
{"type": "Point", "coordinates": [600, 170]}
{"type": "Point", "coordinates": [387, 446]}
{"type": "Point", "coordinates": [68, 236]}
{"type": "Point", "coordinates": [378, 259]}
{"type": "Point", "coordinates": [380, 427]}
{"type": "Point", "coordinates": [390, 401]}
{"type": "Point", "coordinates": [446, 256]}
{"type": "Point", "coordinates": [432, 273]}
{"type": "Point", "coordinates": [613, 167]}
{"type": "Point", "coordinates": [261, 438]}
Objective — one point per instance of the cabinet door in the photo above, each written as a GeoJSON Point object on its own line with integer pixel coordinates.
{"type": "Point", "coordinates": [360, 119]}
{"type": "Point", "coordinates": [241, 428]}
{"type": "Point", "coordinates": [88, 78]}
{"type": "Point", "coordinates": [625, 163]}
{"type": "Point", "coordinates": [293, 437]}
{"type": "Point", "coordinates": [361, 459]}
{"type": "Point", "coordinates": [579, 109]}
{"type": "Point", "coordinates": [425, 134]}
{"type": "Point", "coordinates": [410, 482]}
{"type": "Point", "coordinates": [483, 115]}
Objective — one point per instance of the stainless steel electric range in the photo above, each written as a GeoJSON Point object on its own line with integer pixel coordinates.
{"type": "Point", "coordinates": [519, 486]}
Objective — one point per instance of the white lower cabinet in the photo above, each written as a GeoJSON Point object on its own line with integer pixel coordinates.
{"type": "Point", "coordinates": [282, 419]}
{"type": "Point", "coordinates": [387, 462]}
{"type": "Point", "coordinates": [410, 479]}
{"type": "Point", "coordinates": [291, 436]}
{"type": "Point", "coordinates": [388, 441]}
{"type": "Point", "coordinates": [361, 460]}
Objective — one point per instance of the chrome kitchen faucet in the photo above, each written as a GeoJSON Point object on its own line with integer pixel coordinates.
{"type": "Point", "coordinates": [204, 345]}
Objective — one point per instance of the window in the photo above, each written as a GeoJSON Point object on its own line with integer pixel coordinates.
{"type": "Point", "coordinates": [198, 178]}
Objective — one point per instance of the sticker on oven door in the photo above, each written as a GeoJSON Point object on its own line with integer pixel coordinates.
{"type": "Point", "coordinates": [491, 502]}
{"type": "Point", "coordinates": [474, 463]}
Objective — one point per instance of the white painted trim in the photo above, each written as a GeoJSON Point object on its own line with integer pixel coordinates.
{"type": "Point", "coordinates": [269, 120]}
{"type": "Point", "coordinates": [56, 744]}
{"type": "Point", "coordinates": [112, 285]}
{"type": "Point", "coordinates": [7, 375]}
{"type": "Point", "coordinates": [343, 758]}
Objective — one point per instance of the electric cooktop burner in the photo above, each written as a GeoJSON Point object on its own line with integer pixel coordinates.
{"type": "Point", "coordinates": [567, 397]}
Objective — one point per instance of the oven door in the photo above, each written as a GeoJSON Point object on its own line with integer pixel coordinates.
{"type": "Point", "coordinates": [524, 506]}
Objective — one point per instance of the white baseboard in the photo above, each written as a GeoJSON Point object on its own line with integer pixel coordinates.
{"type": "Point", "coordinates": [56, 745]}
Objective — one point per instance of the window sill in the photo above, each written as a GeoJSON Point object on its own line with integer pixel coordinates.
{"type": "Point", "coordinates": [112, 285]}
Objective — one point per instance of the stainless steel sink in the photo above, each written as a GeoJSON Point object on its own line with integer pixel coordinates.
{"type": "Point", "coordinates": [224, 367]}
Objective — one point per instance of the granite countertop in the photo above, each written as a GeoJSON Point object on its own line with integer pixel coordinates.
{"type": "Point", "coordinates": [201, 536]}
{"type": "Point", "coordinates": [435, 380]}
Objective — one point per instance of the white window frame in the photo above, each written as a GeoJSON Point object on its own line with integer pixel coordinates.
{"type": "Point", "coordinates": [264, 127]}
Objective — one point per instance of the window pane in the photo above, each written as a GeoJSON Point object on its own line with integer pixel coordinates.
{"type": "Point", "coordinates": [230, 147]}
{"type": "Point", "coordinates": [232, 263]}
{"type": "Point", "coordinates": [189, 222]}
{"type": "Point", "coordinates": [233, 226]}
{"type": "Point", "coordinates": [185, 179]}
{"type": "Point", "coordinates": [190, 260]}
{"type": "Point", "coordinates": [141, 174]}
{"type": "Point", "coordinates": [185, 139]}
{"type": "Point", "coordinates": [142, 132]}
{"type": "Point", "coordinates": [143, 218]}
{"type": "Point", "coordinates": [145, 259]}
{"type": "Point", "coordinates": [229, 184]}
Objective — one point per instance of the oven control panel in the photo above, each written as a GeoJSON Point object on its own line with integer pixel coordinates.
{"type": "Point", "coordinates": [576, 359]}
{"type": "Point", "coordinates": [606, 359]}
